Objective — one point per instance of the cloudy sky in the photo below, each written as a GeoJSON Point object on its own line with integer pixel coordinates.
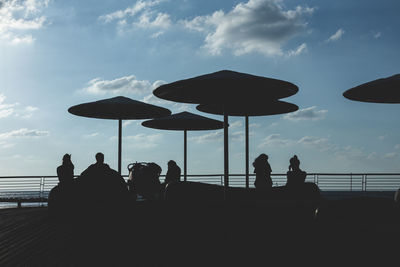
{"type": "Point", "coordinates": [55, 54]}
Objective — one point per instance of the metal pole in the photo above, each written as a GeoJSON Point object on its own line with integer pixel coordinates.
{"type": "Point", "coordinates": [226, 154]}
{"type": "Point", "coordinates": [185, 155]}
{"type": "Point", "coordinates": [119, 144]}
{"type": "Point", "coordinates": [247, 151]}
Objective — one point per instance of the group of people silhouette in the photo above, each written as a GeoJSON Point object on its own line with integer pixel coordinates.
{"type": "Point", "coordinates": [100, 185]}
{"type": "Point", "coordinates": [295, 176]}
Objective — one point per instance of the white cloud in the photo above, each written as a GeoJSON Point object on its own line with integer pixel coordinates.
{"type": "Point", "coordinates": [122, 85]}
{"type": "Point", "coordinates": [5, 145]}
{"type": "Point", "coordinates": [306, 114]}
{"type": "Point", "coordinates": [144, 141]}
{"type": "Point", "coordinates": [91, 135]}
{"type": "Point", "coordinates": [322, 144]}
{"type": "Point", "coordinates": [23, 133]}
{"type": "Point", "coordinates": [336, 36]}
{"type": "Point", "coordinates": [377, 35]}
{"type": "Point", "coordinates": [262, 26]}
{"type": "Point", "coordinates": [397, 146]}
{"type": "Point", "coordinates": [235, 124]}
{"type": "Point", "coordinates": [140, 15]}
{"type": "Point", "coordinates": [391, 155]}
{"type": "Point", "coordinates": [302, 48]}
{"type": "Point", "coordinates": [275, 140]}
{"type": "Point", "coordinates": [18, 18]}
{"type": "Point", "coordinates": [254, 125]}
{"type": "Point", "coordinates": [208, 137]}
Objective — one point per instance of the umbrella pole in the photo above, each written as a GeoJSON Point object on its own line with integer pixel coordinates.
{"type": "Point", "coordinates": [226, 154]}
{"type": "Point", "coordinates": [119, 144]}
{"type": "Point", "coordinates": [247, 151]}
{"type": "Point", "coordinates": [185, 155]}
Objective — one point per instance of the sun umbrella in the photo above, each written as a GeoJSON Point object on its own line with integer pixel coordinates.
{"type": "Point", "coordinates": [184, 121]}
{"type": "Point", "coordinates": [224, 87]}
{"type": "Point", "coordinates": [257, 108]}
{"type": "Point", "coordinates": [385, 90]}
{"type": "Point", "coordinates": [119, 108]}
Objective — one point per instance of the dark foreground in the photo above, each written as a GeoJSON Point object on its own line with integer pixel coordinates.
{"type": "Point", "coordinates": [218, 233]}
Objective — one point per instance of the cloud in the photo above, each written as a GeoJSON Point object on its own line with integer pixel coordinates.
{"type": "Point", "coordinates": [235, 124]}
{"type": "Point", "coordinates": [140, 15]}
{"type": "Point", "coordinates": [91, 135]}
{"type": "Point", "coordinates": [275, 140]}
{"type": "Point", "coordinates": [306, 114]}
{"type": "Point", "coordinates": [208, 137]}
{"type": "Point", "coordinates": [377, 35]}
{"type": "Point", "coordinates": [5, 145]}
{"type": "Point", "coordinates": [322, 144]}
{"type": "Point", "coordinates": [391, 155]}
{"type": "Point", "coordinates": [18, 18]}
{"type": "Point", "coordinates": [122, 85]}
{"type": "Point", "coordinates": [262, 26]}
{"type": "Point", "coordinates": [144, 141]}
{"type": "Point", "coordinates": [397, 146]}
{"type": "Point", "coordinates": [23, 133]}
{"type": "Point", "coordinates": [336, 36]}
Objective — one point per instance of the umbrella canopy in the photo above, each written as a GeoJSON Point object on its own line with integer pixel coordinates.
{"type": "Point", "coordinates": [184, 121]}
{"type": "Point", "coordinates": [256, 109]}
{"type": "Point", "coordinates": [119, 108]}
{"type": "Point", "coordinates": [385, 90]}
{"type": "Point", "coordinates": [224, 87]}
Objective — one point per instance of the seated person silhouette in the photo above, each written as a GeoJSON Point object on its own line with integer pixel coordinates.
{"type": "Point", "coordinates": [173, 173]}
{"type": "Point", "coordinates": [65, 171]}
{"type": "Point", "coordinates": [295, 176]}
{"type": "Point", "coordinates": [262, 169]}
{"type": "Point", "coordinates": [62, 196]}
{"type": "Point", "coordinates": [101, 185]}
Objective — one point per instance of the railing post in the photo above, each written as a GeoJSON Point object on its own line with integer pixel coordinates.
{"type": "Point", "coordinates": [351, 182]}
{"type": "Point", "coordinates": [41, 191]}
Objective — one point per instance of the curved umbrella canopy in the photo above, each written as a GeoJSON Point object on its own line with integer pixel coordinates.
{"type": "Point", "coordinates": [184, 121]}
{"type": "Point", "coordinates": [119, 108]}
{"type": "Point", "coordinates": [257, 108]}
{"type": "Point", "coordinates": [385, 90]}
{"type": "Point", "coordinates": [224, 87]}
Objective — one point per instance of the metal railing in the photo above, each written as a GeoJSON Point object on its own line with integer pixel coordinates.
{"type": "Point", "coordinates": [39, 186]}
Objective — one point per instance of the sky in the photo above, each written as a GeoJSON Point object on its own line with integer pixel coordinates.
{"type": "Point", "coordinates": [55, 54]}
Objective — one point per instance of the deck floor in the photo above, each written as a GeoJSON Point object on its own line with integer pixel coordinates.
{"type": "Point", "coordinates": [158, 235]}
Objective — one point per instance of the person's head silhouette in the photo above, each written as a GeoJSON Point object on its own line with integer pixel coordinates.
{"type": "Point", "coordinates": [99, 158]}
{"type": "Point", "coordinates": [171, 163]}
{"type": "Point", "coordinates": [66, 159]}
{"type": "Point", "coordinates": [294, 163]}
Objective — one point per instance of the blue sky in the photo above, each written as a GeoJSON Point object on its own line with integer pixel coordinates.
{"type": "Point", "coordinates": [55, 54]}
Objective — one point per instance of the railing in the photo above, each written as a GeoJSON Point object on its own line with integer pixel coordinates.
{"type": "Point", "coordinates": [39, 186]}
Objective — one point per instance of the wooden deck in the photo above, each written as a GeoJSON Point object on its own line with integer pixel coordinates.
{"type": "Point", "coordinates": [203, 235]}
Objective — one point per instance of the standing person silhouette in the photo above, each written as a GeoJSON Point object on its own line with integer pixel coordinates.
{"type": "Point", "coordinates": [65, 171]}
{"type": "Point", "coordinates": [262, 169]}
{"type": "Point", "coordinates": [295, 176]}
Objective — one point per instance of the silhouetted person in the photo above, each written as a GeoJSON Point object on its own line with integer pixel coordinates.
{"type": "Point", "coordinates": [65, 171]}
{"type": "Point", "coordinates": [295, 176]}
{"type": "Point", "coordinates": [262, 169]}
{"type": "Point", "coordinates": [100, 185]}
{"type": "Point", "coordinates": [173, 172]}
{"type": "Point", "coordinates": [61, 197]}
